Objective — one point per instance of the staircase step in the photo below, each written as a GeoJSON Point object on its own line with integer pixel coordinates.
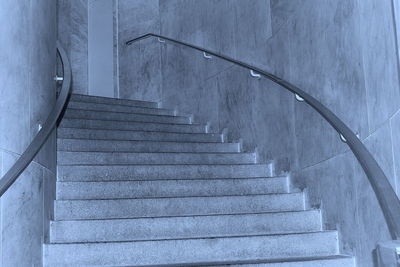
{"type": "Point", "coordinates": [135, 126]}
{"type": "Point", "coordinates": [184, 227]}
{"type": "Point", "coordinates": [124, 117]}
{"type": "Point", "coordinates": [116, 101]}
{"type": "Point", "coordinates": [179, 206]}
{"type": "Point", "coordinates": [90, 145]}
{"type": "Point", "coordinates": [183, 251]}
{"type": "Point", "coordinates": [332, 261]}
{"type": "Point", "coordinates": [79, 158]}
{"type": "Point", "coordinates": [120, 108]}
{"type": "Point", "coordinates": [137, 135]}
{"type": "Point", "coordinates": [150, 172]}
{"type": "Point", "coordinates": [170, 188]}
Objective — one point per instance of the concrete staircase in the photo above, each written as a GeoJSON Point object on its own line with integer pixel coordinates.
{"type": "Point", "coordinates": [139, 185]}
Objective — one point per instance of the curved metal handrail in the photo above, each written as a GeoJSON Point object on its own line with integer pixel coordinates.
{"type": "Point", "coordinates": [33, 149]}
{"type": "Point", "coordinates": [385, 194]}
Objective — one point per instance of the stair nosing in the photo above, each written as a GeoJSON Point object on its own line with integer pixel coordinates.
{"type": "Point", "coordinates": [156, 141]}
{"type": "Point", "coordinates": [121, 112]}
{"type": "Point", "coordinates": [139, 131]}
{"type": "Point", "coordinates": [105, 97]}
{"type": "Point", "coordinates": [132, 121]}
{"type": "Point", "coordinates": [186, 197]}
{"type": "Point", "coordinates": [256, 261]}
{"type": "Point", "coordinates": [191, 216]}
{"type": "Point", "coordinates": [175, 179]}
{"type": "Point", "coordinates": [205, 238]}
{"type": "Point", "coordinates": [172, 152]}
{"type": "Point", "coordinates": [123, 105]}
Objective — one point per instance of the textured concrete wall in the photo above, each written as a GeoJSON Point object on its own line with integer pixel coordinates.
{"type": "Point", "coordinates": [27, 94]}
{"type": "Point", "coordinates": [73, 34]}
{"type": "Point", "coordinates": [139, 64]}
{"type": "Point", "coordinates": [344, 54]}
{"type": "Point", "coordinates": [217, 91]}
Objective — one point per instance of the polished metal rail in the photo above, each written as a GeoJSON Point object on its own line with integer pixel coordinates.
{"type": "Point", "coordinates": [385, 194]}
{"type": "Point", "coordinates": [33, 149]}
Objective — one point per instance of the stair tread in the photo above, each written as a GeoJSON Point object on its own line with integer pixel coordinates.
{"type": "Point", "coordinates": [133, 121]}
{"type": "Point", "coordinates": [79, 98]}
{"type": "Point", "coordinates": [269, 262]}
{"type": "Point", "coordinates": [176, 206]}
{"type": "Point", "coordinates": [150, 141]}
{"type": "Point", "coordinates": [122, 112]}
{"type": "Point", "coordinates": [139, 185]}
{"type": "Point", "coordinates": [179, 251]}
{"type": "Point", "coordinates": [160, 228]}
{"type": "Point", "coordinates": [138, 131]}
{"type": "Point", "coordinates": [205, 237]}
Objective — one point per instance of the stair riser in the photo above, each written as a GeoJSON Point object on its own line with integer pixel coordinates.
{"type": "Point", "coordinates": [134, 126]}
{"type": "Point", "coordinates": [136, 135]}
{"type": "Point", "coordinates": [339, 262]}
{"type": "Point", "coordinates": [189, 251]}
{"type": "Point", "coordinates": [71, 158]}
{"type": "Point", "coordinates": [142, 146]}
{"type": "Point", "coordinates": [112, 101]}
{"type": "Point", "coordinates": [170, 188]}
{"type": "Point", "coordinates": [125, 117]}
{"type": "Point", "coordinates": [119, 108]}
{"type": "Point", "coordinates": [159, 207]}
{"type": "Point", "coordinates": [184, 227]}
{"type": "Point", "coordinates": [121, 172]}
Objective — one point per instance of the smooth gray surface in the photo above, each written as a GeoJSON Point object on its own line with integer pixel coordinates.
{"type": "Point", "coordinates": [101, 47]}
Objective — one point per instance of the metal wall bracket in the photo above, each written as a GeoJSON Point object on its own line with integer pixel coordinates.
{"type": "Point", "coordinates": [206, 55]}
{"type": "Point", "coordinates": [254, 74]}
{"type": "Point", "coordinates": [58, 79]}
{"type": "Point", "coordinates": [344, 139]}
{"type": "Point", "coordinates": [299, 98]}
{"type": "Point", "coordinates": [160, 40]}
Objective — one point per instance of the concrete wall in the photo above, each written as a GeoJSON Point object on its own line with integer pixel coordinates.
{"type": "Point", "coordinates": [101, 47]}
{"type": "Point", "coordinates": [344, 53]}
{"type": "Point", "coordinates": [73, 34]}
{"type": "Point", "coordinates": [139, 64]}
{"type": "Point", "coordinates": [27, 94]}
{"type": "Point", "coordinates": [217, 91]}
